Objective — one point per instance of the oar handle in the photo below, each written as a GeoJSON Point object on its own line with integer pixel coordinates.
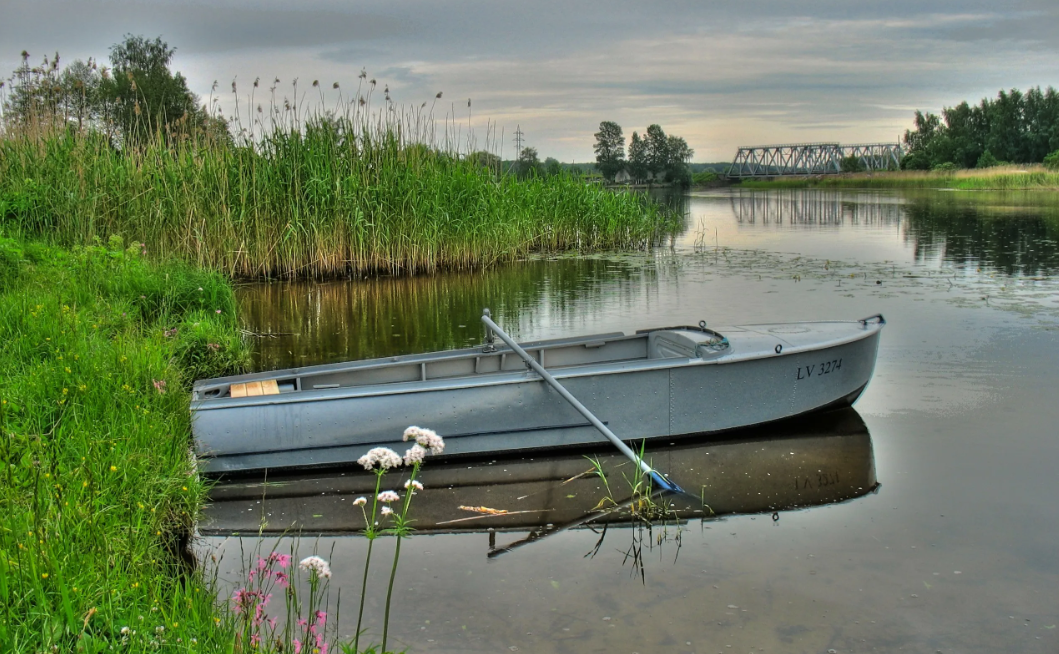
{"type": "Point", "coordinates": [581, 408]}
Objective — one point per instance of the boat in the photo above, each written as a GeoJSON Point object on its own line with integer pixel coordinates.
{"type": "Point", "coordinates": [795, 464]}
{"type": "Point", "coordinates": [654, 383]}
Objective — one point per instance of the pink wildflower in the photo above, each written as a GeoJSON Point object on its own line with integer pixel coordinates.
{"type": "Point", "coordinates": [297, 646]}
{"type": "Point", "coordinates": [386, 511]}
{"type": "Point", "coordinates": [360, 501]}
{"type": "Point", "coordinates": [414, 484]}
{"type": "Point", "coordinates": [159, 385]}
{"type": "Point", "coordinates": [389, 496]}
{"type": "Point", "coordinates": [282, 559]}
{"type": "Point", "coordinates": [237, 600]}
{"type": "Point", "coordinates": [282, 579]}
{"type": "Point", "coordinates": [321, 618]}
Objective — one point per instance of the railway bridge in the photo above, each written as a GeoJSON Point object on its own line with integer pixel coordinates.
{"type": "Point", "coordinates": [811, 159]}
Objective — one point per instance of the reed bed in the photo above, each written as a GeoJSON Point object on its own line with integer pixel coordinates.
{"type": "Point", "coordinates": [97, 493]}
{"type": "Point", "coordinates": [999, 178]}
{"type": "Point", "coordinates": [335, 193]}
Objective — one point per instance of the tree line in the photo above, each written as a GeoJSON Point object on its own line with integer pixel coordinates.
{"type": "Point", "coordinates": [137, 97]}
{"type": "Point", "coordinates": [1015, 127]}
{"type": "Point", "coordinates": [654, 157]}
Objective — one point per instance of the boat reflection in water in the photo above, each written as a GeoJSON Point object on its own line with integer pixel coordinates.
{"type": "Point", "coordinates": [811, 461]}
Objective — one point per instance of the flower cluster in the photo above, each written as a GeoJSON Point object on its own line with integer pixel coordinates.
{"type": "Point", "coordinates": [317, 565]}
{"type": "Point", "coordinates": [384, 457]}
{"type": "Point", "coordinates": [426, 438]}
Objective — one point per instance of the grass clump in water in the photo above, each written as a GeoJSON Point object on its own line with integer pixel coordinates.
{"type": "Point", "coordinates": [341, 191]}
{"type": "Point", "coordinates": [97, 490]}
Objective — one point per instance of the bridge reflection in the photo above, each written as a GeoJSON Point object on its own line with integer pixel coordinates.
{"type": "Point", "coordinates": [809, 207]}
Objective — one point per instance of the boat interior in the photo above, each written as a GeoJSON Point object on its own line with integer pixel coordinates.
{"type": "Point", "coordinates": [490, 358]}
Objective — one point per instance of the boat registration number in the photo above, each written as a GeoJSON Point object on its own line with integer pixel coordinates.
{"type": "Point", "coordinates": [817, 369]}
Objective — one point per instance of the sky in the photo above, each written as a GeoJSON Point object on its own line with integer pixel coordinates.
{"type": "Point", "coordinates": [718, 74]}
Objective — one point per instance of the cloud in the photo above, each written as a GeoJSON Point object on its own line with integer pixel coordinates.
{"type": "Point", "coordinates": [718, 73]}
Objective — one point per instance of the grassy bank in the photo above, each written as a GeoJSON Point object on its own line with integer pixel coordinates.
{"type": "Point", "coordinates": [325, 198]}
{"type": "Point", "coordinates": [97, 493]}
{"type": "Point", "coordinates": [1000, 178]}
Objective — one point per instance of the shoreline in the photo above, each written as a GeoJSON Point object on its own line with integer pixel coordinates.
{"type": "Point", "coordinates": [1001, 178]}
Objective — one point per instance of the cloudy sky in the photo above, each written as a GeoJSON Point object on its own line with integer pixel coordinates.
{"type": "Point", "coordinates": [720, 74]}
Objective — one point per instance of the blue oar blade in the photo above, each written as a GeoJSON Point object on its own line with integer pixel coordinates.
{"type": "Point", "coordinates": [664, 483]}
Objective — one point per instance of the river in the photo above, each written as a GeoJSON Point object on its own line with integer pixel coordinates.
{"type": "Point", "coordinates": [943, 537]}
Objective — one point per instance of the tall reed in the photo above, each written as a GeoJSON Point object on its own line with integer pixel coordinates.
{"type": "Point", "coordinates": [332, 193]}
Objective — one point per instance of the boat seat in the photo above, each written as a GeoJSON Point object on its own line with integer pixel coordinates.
{"type": "Point", "coordinates": [254, 389]}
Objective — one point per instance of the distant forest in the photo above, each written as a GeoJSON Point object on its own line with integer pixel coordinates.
{"type": "Point", "coordinates": [1016, 127]}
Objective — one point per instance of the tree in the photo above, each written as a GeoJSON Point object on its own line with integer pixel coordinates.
{"type": "Point", "coordinates": [678, 156]}
{"type": "Point", "coordinates": [637, 158]}
{"type": "Point", "coordinates": [987, 160]}
{"type": "Point", "coordinates": [610, 150]}
{"type": "Point", "coordinates": [81, 98]}
{"type": "Point", "coordinates": [552, 167]}
{"type": "Point", "coordinates": [1051, 162]}
{"type": "Point", "coordinates": [528, 163]}
{"type": "Point", "coordinates": [486, 160]}
{"type": "Point", "coordinates": [851, 164]}
{"type": "Point", "coordinates": [35, 93]}
{"type": "Point", "coordinates": [147, 98]}
{"type": "Point", "coordinates": [657, 151]}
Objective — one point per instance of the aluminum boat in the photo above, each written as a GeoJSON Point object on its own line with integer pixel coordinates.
{"type": "Point", "coordinates": [655, 383]}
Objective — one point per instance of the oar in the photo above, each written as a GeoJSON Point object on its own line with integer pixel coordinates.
{"type": "Point", "coordinates": [659, 478]}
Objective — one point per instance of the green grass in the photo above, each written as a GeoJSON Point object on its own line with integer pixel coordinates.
{"type": "Point", "coordinates": [97, 490]}
{"type": "Point", "coordinates": [1031, 177]}
{"type": "Point", "coordinates": [319, 197]}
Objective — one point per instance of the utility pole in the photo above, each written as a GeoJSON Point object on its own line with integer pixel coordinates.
{"type": "Point", "coordinates": [518, 147]}
{"type": "Point", "coordinates": [518, 141]}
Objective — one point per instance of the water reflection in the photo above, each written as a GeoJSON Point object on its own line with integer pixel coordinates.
{"type": "Point", "coordinates": [1014, 233]}
{"type": "Point", "coordinates": [813, 207]}
{"type": "Point", "coordinates": [813, 461]}
{"type": "Point", "coordinates": [300, 323]}
{"type": "Point", "coordinates": [1011, 232]}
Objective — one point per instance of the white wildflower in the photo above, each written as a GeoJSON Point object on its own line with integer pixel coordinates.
{"type": "Point", "coordinates": [389, 496]}
{"type": "Point", "coordinates": [315, 563]}
{"type": "Point", "coordinates": [125, 630]}
{"type": "Point", "coordinates": [360, 501]}
{"type": "Point", "coordinates": [414, 455]}
{"type": "Point", "coordinates": [387, 510]}
{"type": "Point", "coordinates": [414, 484]}
{"type": "Point", "coordinates": [429, 439]}
{"type": "Point", "coordinates": [383, 456]}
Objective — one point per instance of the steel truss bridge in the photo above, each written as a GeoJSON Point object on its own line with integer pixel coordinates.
{"type": "Point", "coordinates": [811, 159]}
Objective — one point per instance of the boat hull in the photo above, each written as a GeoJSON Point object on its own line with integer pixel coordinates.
{"type": "Point", "coordinates": [512, 411]}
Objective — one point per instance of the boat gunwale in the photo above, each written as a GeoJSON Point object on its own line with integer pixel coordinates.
{"type": "Point", "coordinates": [498, 378]}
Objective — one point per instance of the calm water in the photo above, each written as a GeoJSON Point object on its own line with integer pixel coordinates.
{"type": "Point", "coordinates": [954, 550]}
